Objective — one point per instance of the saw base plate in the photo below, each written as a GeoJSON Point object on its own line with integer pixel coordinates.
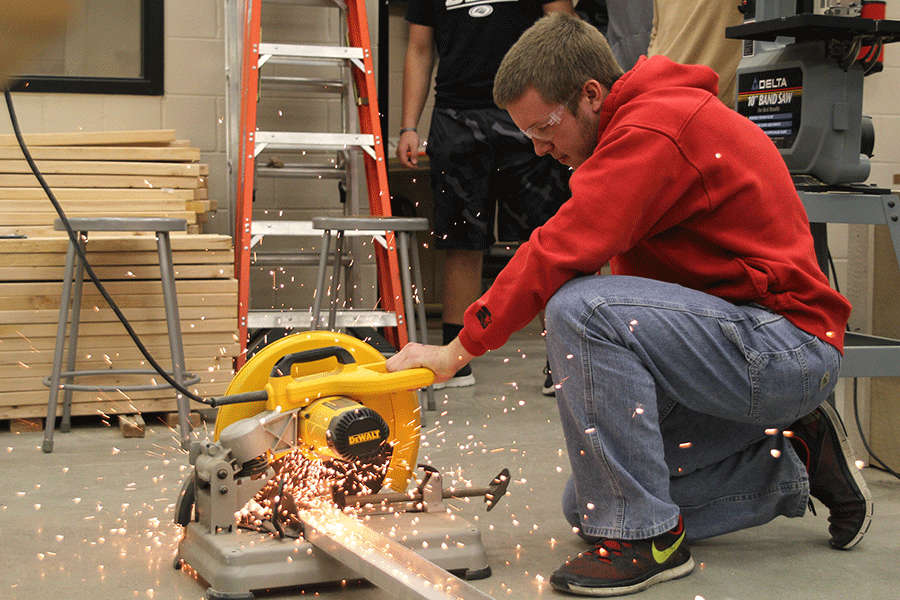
{"type": "Point", "coordinates": [237, 564]}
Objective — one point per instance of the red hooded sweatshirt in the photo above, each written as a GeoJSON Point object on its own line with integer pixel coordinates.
{"type": "Point", "coordinates": [681, 189]}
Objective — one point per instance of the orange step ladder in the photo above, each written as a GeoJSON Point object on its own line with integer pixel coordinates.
{"type": "Point", "coordinates": [359, 88]}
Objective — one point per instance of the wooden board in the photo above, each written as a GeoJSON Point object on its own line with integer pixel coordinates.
{"type": "Point", "coordinates": [120, 349]}
{"type": "Point", "coordinates": [50, 302]}
{"type": "Point", "coordinates": [97, 167]}
{"type": "Point", "coordinates": [95, 207]}
{"type": "Point", "coordinates": [103, 314]}
{"type": "Point", "coordinates": [47, 231]}
{"type": "Point", "coordinates": [29, 331]}
{"type": "Point", "coordinates": [139, 288]}
{"type": "Point", "coordinates": [145, 242]}
{"type": "Point", "coordinates": [40, 219]}
{"type": "Point", "coordinates": [103, 181]}
{"type": "Point", "coordinates": [119, 273]}
{"type": "Point", "coordinates": [190, 257]}
{"type": "Point", "coordinates": [127, 195]}
{"type": "Point", "coordinates": [214, 341]}
{"type": "Point", "coordinates": [94, 138]}
{"type": "Point", "coordinates": [132, 426]}
{"type": "Point", "coordinates": [139, 153]}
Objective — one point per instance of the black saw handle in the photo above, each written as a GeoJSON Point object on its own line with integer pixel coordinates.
{"type": "Point", "coordinates": [284, 364]}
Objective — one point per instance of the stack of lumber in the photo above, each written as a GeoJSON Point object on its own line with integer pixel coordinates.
{"type": "Point", "coordinates": [30, 292]}
{"type": "Point", "coordinates": [100, 175]}
{"type": "Point", "coordinates": [119, 173]}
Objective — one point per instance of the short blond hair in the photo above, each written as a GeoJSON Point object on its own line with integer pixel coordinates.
{"type": "Point", "coordinates": [556, 56]}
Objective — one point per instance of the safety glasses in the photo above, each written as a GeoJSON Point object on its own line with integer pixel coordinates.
{"type": "Point", "coordinates": [542, 131]}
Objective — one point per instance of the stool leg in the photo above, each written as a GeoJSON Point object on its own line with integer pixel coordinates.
{"type": "Point", "coordinates": [66, 424]}
{"type": "Point", "coordinates": [420, 309]}
{"type": "Point", "coordinates": [336, 278]}
{"type": "Point", "coordinates": [400, 238]}
{"type": "Point", "coordinates": [52, 402]}
{"type": "Point", "coordinates": [173, 324]}
{"type": "Point", "coordinates": [320, 279]}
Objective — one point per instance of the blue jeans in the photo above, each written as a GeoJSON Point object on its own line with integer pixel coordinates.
{"type": "Point", "coordinates": [672, 401]}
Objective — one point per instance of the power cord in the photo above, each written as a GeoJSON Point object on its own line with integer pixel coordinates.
{"type": "Point", "coordinates": [87, 267]}
{"type": "Point", "coordinates": [862, 436]}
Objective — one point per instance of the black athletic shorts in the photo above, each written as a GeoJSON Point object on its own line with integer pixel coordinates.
{"type": "Point", "coordinates": [481, 164]}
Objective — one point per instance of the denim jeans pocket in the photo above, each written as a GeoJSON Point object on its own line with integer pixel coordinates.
{"type": "Point", "coordinates": [785, 384]}
{"type": "Point", "coordinates": [759, 315]}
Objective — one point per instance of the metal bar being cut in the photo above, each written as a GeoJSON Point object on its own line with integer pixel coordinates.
{"type": "Point", "coordinates": [389, 565]}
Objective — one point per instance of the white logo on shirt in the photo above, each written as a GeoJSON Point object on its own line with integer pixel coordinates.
{"type": "Point", "coordinates": [481, 11]}
{"type": "Point", "coordinates": [451, 4]}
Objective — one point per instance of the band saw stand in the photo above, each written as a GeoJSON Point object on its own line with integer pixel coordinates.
{"type": "Point", "coordinates": [801, 80]}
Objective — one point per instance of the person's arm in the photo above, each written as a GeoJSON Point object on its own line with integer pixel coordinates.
{"type": "Point", "coordinates": [559, 6]}
{"type": "Point", "coordinates": [416, 83]}
{"type": "Point", "coordinates": [445, 361]}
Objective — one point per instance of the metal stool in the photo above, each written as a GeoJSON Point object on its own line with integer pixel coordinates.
{"type": "Point", "coordinates": [63, 380]}
{"type": "Point", "coordinates": [404, 229]}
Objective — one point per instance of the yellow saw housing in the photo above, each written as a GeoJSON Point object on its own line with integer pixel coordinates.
{"type": "Point", "coordinates": [331, 394]}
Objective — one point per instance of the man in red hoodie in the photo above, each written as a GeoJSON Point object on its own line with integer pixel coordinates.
{"type": "Point", "coordinates": [692, 383]}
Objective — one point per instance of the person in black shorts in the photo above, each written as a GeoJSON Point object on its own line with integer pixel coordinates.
{"type": "Point", "coordinates": [482, 165]}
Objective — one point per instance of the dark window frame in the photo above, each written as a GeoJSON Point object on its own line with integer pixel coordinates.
{"type": "Point", "coordinates": [150, 83]}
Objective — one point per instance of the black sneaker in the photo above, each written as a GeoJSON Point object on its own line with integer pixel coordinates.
{"type": "Point", "coordinates": [463, 378]}
{"type": "Point", "coordinates": [834, 479]}
{"type": "Point", "coordinates": [549, 388]}
{"type": "Point", "coordinates": [618, 567]}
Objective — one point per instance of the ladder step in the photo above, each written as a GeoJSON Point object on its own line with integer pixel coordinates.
{"type": "Point", "coordinates": [294, 53]}
{"type": "Point", "coordinates": [322, 172]}
{"type": "Point", "coordinates": [292, 83]}
{"type": "Point", "coordinates": [282, 259]}
{"type": "Point", "coordinates": [318, 3]}
{"type": "Point", "coordinates": [313, 141]}
{"type": "Point", "coordinates": [263, 319]}
{"type": "Point", "coordinates": [283, 228]}
{"type": "Point", "coordinates": [301, 228]}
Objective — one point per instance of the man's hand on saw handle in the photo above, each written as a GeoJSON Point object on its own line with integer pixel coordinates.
{"type": "Point", "coordinates": [445, 361]}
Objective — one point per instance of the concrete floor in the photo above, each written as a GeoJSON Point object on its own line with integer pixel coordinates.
{"type": "Point", "coordinates": [94, 519]}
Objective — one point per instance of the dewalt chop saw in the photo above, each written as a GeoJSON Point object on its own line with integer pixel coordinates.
{"type": "Point", "coordinates": [289, 492]}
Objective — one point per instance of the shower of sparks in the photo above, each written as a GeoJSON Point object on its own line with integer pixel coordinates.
{"type": "Point", "coordinates": [302, 483]}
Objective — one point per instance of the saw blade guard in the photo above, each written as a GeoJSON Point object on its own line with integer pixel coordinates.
{"type": "Point", "coordinates": [344, 367]}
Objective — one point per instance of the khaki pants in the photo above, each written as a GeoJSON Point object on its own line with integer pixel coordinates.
{"type": "Point", "coordinates": [693, 32]}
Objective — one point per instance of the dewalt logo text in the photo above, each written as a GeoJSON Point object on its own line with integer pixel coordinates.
{"type": "Point", "coordinates": [366, 436]}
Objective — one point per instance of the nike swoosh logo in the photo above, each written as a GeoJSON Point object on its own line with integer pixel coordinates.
{"type": "Point", "coordinates": [661, 556]}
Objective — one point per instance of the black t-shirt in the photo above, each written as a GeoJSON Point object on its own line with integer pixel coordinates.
{"type": "Point", "coordinates": [472, 37]}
